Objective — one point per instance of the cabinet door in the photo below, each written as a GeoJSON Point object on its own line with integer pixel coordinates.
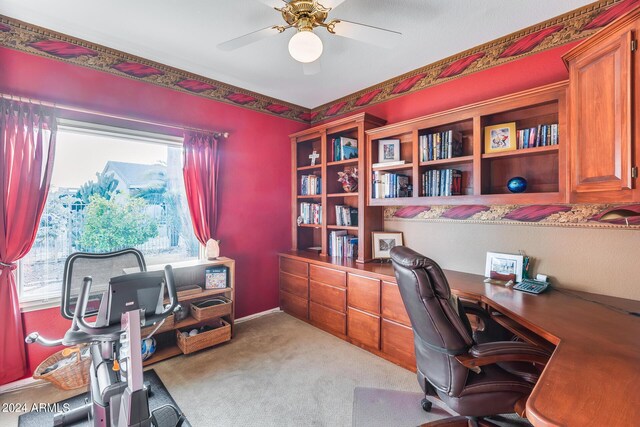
{"type": "Point", "coordinates": [364, 293]}
{"type": "Point", "coordinates": [601, 117]}
{"type": "Point", "coordinates": [363, 328]}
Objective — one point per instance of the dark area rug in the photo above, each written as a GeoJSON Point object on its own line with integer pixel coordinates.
{"type": "Point", "coordinates": [159, 397]}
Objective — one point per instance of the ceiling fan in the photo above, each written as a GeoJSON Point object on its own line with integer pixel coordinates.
{"type": "Point", "coordinates": [306, 15]}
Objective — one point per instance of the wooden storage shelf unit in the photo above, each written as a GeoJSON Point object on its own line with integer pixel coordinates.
{"type": "Point", "coordinates": [193, 273]}
{"type": "Point", "coordinates": [483, 176]}
{"type": "Point", "coordinates": [315, 236]}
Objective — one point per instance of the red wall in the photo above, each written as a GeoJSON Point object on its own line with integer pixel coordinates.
{"type": "Point", "coordinates": [529, 72]}
{"type": "Point", "coordinates": [254, 176]}
{"type": "Point", "coordinates": [255, 172]}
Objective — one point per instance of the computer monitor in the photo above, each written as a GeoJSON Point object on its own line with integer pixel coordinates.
{"type": "Point", "coordinates": [134, 291]}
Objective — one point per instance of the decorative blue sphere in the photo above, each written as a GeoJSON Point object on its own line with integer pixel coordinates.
{"type": "Point", "coordinates": [517, 184]}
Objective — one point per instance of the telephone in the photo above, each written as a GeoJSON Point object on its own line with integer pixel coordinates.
{"type": "Point", "coordinates": [532, 286]}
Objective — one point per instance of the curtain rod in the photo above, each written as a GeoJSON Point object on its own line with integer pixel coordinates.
{"type": "Point", "coordinates": [217, 134]}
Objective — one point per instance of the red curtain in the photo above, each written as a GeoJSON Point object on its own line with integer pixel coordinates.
{"type": "Point", "coordinates": [200, 180]}
{"type": "Point", "coordinates": [27, 144]}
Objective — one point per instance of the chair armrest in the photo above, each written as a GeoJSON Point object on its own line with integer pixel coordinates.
{"type": "Point", "coordinates": [475, 309]}
{"type": "Point", "coordinates": [503, 351]}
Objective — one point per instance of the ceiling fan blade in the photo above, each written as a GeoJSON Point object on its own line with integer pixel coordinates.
{"type": "Point", "coordinates": [312, 68]}
{"type": "Point", "coordinates": [367, 33]}
{"type": "Point", "coordinates": [273, 3]}
{"type": "Point", "coordinates": [330, 3]}
{"type": "Point", "coordinates": [253, 37]}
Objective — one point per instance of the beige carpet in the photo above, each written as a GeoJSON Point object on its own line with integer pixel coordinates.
{"type": "Point", "coordinates": [277, 371]}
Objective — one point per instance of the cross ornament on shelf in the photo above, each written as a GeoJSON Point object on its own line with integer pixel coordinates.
{"type": "Point", "coordinates": [313, 157]}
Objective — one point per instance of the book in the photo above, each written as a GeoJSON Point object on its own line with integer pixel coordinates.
{"type": "Point", "coordinates": [216, 277]}
{"type": "Point", "coordinates": [348, 148]}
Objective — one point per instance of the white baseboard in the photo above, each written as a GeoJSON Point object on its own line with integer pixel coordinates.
{"type": "Point", "coordinates": [20, 385]}
{"type": "Point", "coordinates": [256, 315]}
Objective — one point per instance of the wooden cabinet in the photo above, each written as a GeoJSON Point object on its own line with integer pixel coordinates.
{"type": "Point", "coordinates": [364, 328]}
{"type": "Point", "coordinates": [392, 306]}
{"type": "Point", "coordinates": [317, 205]}
{"type": "Point", "coordinates": [602, 75]}
{"type": "Point", "coordinates": [350, 301]}
{"type": "Point", "coordinates": [364, 293]}
{"type": "Point", "coordinates": [294, 287]}
{"type": "Point", "coordinates": [397, 342]}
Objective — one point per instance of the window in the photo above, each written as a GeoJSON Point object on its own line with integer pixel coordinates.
{"type": "Point", "coordinates": [111, 188]}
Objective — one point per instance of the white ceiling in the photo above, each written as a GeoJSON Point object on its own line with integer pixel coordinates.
{"type": "Point", "coordinates": [184, 34]}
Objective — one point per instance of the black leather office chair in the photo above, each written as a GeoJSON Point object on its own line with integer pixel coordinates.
{"type": "Point", "coordinates": [475, 380]}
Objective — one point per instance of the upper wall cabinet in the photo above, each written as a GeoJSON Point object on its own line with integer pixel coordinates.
{"type": "Point", "coordinates": [603, 90]}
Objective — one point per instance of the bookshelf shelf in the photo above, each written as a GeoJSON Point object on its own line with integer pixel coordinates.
{"type": "Point", "coordinates": [393, 168]}
{"type": "Point", "coordinates": [306, 168]}
{"type": "Point", "coordinates": [349, 162]}
{"type": "Point", "coordinates": [452, 161]}
{"type": "Point", "coordinates": [342, 227]}
{"type": "Point", "coordinates": [348, 136]}
{"type": "Point", "coordinates": [538, 117]}
{"type": "Point", "coordinates": [343, 194]}
{"type": "Point", "coordinates": [523, 152]}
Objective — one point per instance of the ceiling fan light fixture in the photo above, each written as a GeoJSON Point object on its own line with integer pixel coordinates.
{"type": "Point", "coordinates": [305, 46]}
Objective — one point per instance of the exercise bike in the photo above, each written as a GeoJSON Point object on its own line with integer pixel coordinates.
{"type": "Point", "coordinates": [122, 304]}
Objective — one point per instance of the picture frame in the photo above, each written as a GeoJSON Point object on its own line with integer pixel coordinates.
{"type": "Point", "coordinates": [504, 267]}
{"type": "Point", "coordinates": [383, 241]}
{"type": "Point", "coordinates": [500, 137]}
{"type": "Point", "coordinates": [388, 150]}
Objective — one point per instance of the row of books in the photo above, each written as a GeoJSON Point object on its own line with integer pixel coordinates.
{"type": "Point", "coordinates": [342, 244]}
{"type": "Point", "coordinates": [539, 136]}
{"type": "Point", "coordinates": [441, 145]}
{"type": "Point", "coordinates": [310, 185]}
{"type": "Point", "coordinates": [441, 182]}
{"type": "Point", "coordinates": [390, 185]}
{"type": "Point", "coordinates": [344, 148]}
{"type": "Point", "coordinates": [346, 215]}
{"type": "Point", "coordinates": [311, 213]}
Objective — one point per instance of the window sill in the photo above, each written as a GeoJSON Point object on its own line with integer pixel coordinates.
{"type": "Point", "coordinates": [39, 304]}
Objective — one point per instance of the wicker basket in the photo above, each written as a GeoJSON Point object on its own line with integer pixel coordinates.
{"type": "Point", "coordinates": [204, 339]}
{"type": "Point", "coordinates": [204, 313]}
{"type": "Point", "coordinates": [68, 377]}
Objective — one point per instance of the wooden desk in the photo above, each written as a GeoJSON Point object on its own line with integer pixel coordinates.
{"type": "Point", "coordinates": [593, 376]}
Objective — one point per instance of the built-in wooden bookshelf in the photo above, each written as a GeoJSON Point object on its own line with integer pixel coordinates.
{"type": "Point", "coordinates": [315, 237]}
{"type": "Point", "coordinates": [484, 176]}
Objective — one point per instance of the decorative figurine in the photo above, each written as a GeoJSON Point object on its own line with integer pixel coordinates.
{"type": "Point", "coordinates": [517, 184]}
{"type": "Point", "coordinates": [349, 179]}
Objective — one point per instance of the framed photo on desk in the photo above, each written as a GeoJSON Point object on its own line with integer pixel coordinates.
{"type": "Point", "coordinates": [504, 267]}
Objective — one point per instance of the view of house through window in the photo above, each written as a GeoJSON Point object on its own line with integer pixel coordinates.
{"type": "Point", "coordinates": [109, 191]}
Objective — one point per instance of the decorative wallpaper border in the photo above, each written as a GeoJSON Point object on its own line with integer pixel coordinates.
{"type": "Point", "coordinates": [558, 31]}
{"type": "Point", "coordinates": [576, 215]}
{"type": "Point", "coordinates": [554, 32]}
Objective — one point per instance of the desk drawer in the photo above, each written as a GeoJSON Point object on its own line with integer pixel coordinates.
{"type": "Point", "coordinates": [392, 305]}
{"type": "Point", "coordinates": [328, 319]}
{"type": "Point", "coordinates": [292, 266]}
{"type": "Point", "coordinates": [328, 275]}
{"type": "Point", "coordinates": [329, 296]}
{"type": "Point", "coordinates": [397, 342]}
{"type": "Point", "coordinates": [294, 305]}
{"type": "Point", "coordinates": [364, 293]}
{"type": "Point", "coordinates": [364, 328]}
{"type": "Point", "coordinates": [295, 285]}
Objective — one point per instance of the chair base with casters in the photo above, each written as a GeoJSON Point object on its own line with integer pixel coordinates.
{"type": "Point", "coordinates": [473, 375]}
